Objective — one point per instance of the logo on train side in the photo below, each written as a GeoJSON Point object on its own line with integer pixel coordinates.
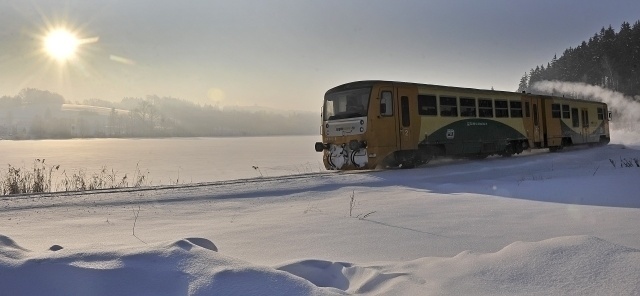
{"type": "Point", "coordinates": [451, 134]}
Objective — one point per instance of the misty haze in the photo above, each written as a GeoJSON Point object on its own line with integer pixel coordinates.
{"type": "Point", "coordinates": [37, 114]}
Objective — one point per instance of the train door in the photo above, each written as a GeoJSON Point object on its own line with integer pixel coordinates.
{"type": "Point", "coordinates": [536, 109]}
{"type": "Point", "coordinates": [575, 125]}
{"type": "Point", "coordinates": [384, 110]}
{"type": "Point", "coordinates": [408, 122]}
{"type": "Point", "coordinates": [585, 125]}
{"type": "Point", "coordinates": [533, 121]}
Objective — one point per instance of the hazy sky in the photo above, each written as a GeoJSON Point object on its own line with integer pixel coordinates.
{"type": "Point", "coordinates": [286, 54]}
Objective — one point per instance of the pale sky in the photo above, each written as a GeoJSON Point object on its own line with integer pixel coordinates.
{"type": "Point", "coordinates": [286, 54]}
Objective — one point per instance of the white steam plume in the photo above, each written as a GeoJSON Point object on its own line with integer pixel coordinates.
{"type": "Point", "coordinates": [625, 124]}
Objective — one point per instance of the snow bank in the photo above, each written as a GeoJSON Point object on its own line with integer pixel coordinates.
{"type": "Point", "coordinates": [574, 265]}
{"type": "Point", "coordinates": [183, 267]}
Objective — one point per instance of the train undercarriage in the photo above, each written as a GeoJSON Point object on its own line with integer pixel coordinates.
{"type": "Point", "coordinates": [427, 152]}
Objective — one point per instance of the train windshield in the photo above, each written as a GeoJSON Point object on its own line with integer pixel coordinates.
{"type": "Point", "coordinates": [346, 104]}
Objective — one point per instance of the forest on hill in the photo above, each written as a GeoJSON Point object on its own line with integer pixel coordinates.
{"type": "Point", "coordinates": [609, 59]}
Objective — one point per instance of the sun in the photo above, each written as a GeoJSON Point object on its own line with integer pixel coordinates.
{"type": "Point", "coordinates": [61, 44]}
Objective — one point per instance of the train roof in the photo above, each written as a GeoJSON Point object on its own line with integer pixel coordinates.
{"type": "Point", "coordinates": [370, 83]}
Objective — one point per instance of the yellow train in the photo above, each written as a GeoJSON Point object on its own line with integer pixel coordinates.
{"type": "Point", "coordinates": [369, 124]}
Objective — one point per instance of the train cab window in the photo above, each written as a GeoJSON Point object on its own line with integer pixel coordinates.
{"type": "Point", "coordinates": [565, 112]}
{"type": "Point", "coordinates": [527, 112]}
{"type": "Point", "coordinates": [468, 107]}
{"type": "Point", "coordinates": [485, 108]}
{"type": "Point", "coordinates": [555, 110]}
{"type": "Point", "coordinates": [574, 117]}
{"type": "Point", "coordinates": [502, 108]}
{"type": "Point", "coordinates": [600, 114]}
{"type": "Point", "coordinates": [449, 106]}
{"type": "Point", "coordinates": [386, 104]}
{"type": "Point", "coordinates": [516, 109]}
{"type": "Point", "coordinates": [427, 105]}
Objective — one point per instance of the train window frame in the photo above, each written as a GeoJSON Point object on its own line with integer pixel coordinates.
{"type": "Point", "coordinates": [468, 107]}
{"type": "Point", "coordinates": [575, 121]}
{"type": "Point", "coordinates": [388, 111]}
{"type": "Point", "coordinates": [337, 104]}
{"type": "Point", "coordinates": [515, 108]}
{"type": "Point", "coordinates": [556, 111]}
{"type": "Point", "coordinates": [404, 110]}
{"type": "Point", "coordinates": [485, 111]}
{"type": "Point", "coordinates": [566, 112]}
{"type": "Point", "coordinates": [501, 108]}
{"type": "Point", "coordinates": [600, 113]}
{"type": "Point", "coordinates": [450, 109]}
{"type": "Point", "coordinates": [585, 118]}
{"type": "Point", "coordinates": [428, 105]}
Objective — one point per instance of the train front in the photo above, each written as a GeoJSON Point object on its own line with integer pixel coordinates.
{"type": "Point", "coordinates": [344, 126]}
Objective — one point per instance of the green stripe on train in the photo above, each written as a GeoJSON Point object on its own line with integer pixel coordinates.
{"type": "Point", "coordinates": [473, 136]}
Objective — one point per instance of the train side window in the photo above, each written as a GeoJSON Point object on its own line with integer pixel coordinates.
{"type": "Point", "coordinates": [516, 109]}
{"type": "Point", "coordinates": [468, 107]}
{"type": "Point", "coordinates": [404, 105]}
{"type": "Point", "coordinates": [600, 114]}
{"type": "Point", "coordinates": [427, 105]}
{"type": "Point", "coordinates": [527, 112]}
{"type": "Point", "coordinates": [386, 104]}
{"type": "Point", "coordinates": [555, 110]}
{"type": "Point", "coordinates": [574, 117]}
{"type": "Point", "coordinates": [565, 112]}
{"type": "Point", "coordinates": [485, 108]}
{"type": "Point", "coordinates": [502, 108]}
{"type": "Point", "coordinates": [448, 106]}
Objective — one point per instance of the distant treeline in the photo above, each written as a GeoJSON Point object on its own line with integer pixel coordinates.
{"type": "Point", "coordinates": [37, 114]}
{"type": "Point", "coordinates": [608, 59]}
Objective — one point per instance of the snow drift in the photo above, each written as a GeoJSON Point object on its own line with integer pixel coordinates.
{"type": "Point", "coordinates": [578, 265]}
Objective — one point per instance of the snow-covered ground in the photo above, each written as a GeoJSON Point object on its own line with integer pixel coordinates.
{"type": "Point", "coordinates": [535, 224]}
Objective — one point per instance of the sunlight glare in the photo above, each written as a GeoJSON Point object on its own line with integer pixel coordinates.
{"type": "Point", "coordinates": [61, 44]}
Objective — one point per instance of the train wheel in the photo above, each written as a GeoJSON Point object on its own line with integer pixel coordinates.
{"type": "Point", "coordinates": [508, 151]}
{"type": "Point", "coordinates": [406, 159]}
{"type": "Point", "coordinates": [425, 157]}
{"type": "Point", "coordinates": [407, 165]}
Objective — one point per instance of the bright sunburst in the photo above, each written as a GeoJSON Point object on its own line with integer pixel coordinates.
{"type": "Point", "coordinates": [61, 44]}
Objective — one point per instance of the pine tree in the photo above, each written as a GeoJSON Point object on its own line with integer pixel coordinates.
{"type": "Point", "coordinates": [607, 59]}
{"type": "Point", "coordinates": [524, 83]}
